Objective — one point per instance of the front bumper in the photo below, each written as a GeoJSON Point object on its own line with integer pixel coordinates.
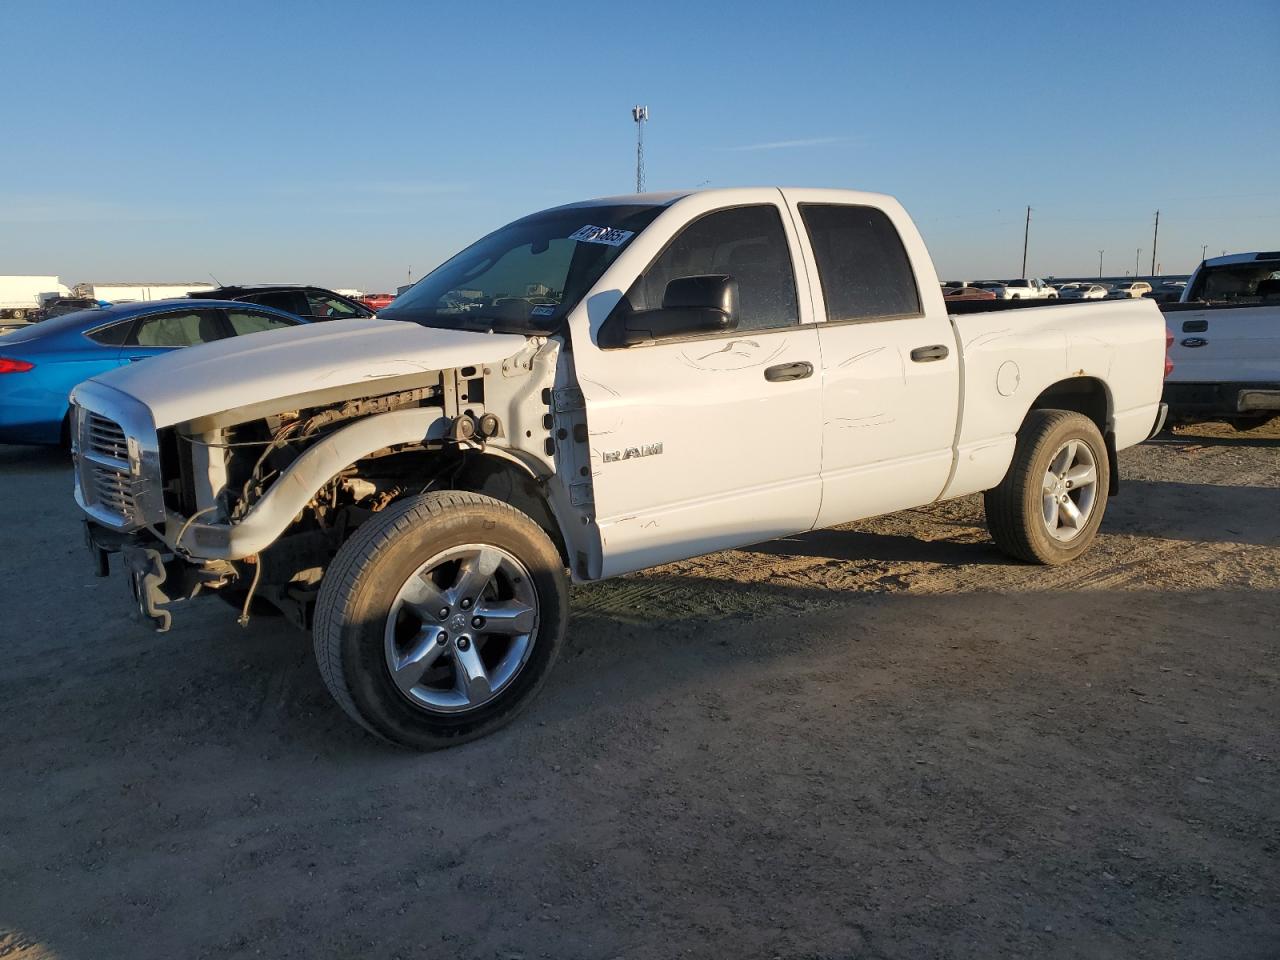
{"type": "Point", "coordinates": [157, 576]}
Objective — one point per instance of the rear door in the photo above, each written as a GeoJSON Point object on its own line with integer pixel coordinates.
{"type": "Point", "coordinates": [890, 370]}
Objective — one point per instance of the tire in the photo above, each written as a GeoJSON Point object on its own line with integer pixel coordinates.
{"type": "Point", "coordinates": [373, 629]}
{"type": "Point", "coordinates": [1024, 522]}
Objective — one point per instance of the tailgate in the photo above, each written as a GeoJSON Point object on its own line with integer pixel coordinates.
{"type": "Point", "coordinates": [1224, 344]}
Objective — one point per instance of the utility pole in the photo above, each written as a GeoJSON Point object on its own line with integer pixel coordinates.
{"type": "Point", "coordinates": [1136, 257]}
{"type": "Point", "coordinates": [1100, 253]}
{"type": "Point", "coordinates": [1026, 234]}
{"type": "Point", "coordinates": [641, 116]}
{"type": "Point", "coordinates": [1154, 237]}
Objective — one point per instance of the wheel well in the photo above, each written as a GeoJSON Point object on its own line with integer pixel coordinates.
{"type": "Point", "coordinates": [475, 472]}
{"type": "Point", "coordinates": [1087, 396]}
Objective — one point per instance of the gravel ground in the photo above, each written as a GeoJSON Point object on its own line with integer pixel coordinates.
{"type": "Point", "coordinates": [878, 741]}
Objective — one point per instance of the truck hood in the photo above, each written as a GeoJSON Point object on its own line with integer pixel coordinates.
{"type": "Point", "coordinates": [280, 364]}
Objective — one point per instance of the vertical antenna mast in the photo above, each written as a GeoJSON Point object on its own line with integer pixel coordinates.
{"type": "Point", "coordinates": [1026, 235]}
{"type": "Point", "coordinates": [640, 115]}
{"type": "Point", "coordinates": [1155, 235]}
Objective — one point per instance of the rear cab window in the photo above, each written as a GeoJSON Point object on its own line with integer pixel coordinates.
{"type": "Point", "coordinates": [862, 265]}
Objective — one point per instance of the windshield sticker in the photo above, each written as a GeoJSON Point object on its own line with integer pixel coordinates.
{"type": "Point", "coordinates": [609, 236]}
{"type": "Point", "coordinates": [542, 311]}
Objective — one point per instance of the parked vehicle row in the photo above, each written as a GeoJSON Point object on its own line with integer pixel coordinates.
{"type": "Point", "coordinates": [1082, 291]}
{"type": "Point", "coordinates": [22, 296]}
{"type": "Point", "coordinates": [39, 365]}
{"type": "Point", "coordinates": [601, 387]}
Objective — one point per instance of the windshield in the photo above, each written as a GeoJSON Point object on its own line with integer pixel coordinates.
{"type": "Point", "coordinates": [526, 276]}
{"type": "Point", "coordinates": [1239, 283]}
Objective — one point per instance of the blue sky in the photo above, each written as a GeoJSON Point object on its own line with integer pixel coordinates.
{"type": "Point", "coordinates": [349, 143]}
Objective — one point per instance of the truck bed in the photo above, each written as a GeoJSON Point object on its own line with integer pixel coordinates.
{"type": "Point", "coordinates": [966, 307]}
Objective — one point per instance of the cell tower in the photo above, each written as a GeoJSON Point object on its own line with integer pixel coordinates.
{"type": "Point", "coordinates": [641, 116]}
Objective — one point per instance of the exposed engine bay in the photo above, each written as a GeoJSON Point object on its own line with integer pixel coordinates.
{"type": "Point", "coordinates": [254, 509]}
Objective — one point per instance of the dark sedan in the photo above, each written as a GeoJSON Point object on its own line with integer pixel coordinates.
{"type": "Point", "coordinates": [311, 303]}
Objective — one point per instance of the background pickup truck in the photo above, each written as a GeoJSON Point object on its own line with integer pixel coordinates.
{"type": "Point", "coordinates": [1226, 346]}
{"type": "Point", "coordinates": [601, 387]}
{"type": "Point", "coordinates": [1032, 289]}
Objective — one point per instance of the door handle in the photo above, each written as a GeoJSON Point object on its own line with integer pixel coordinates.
{"type": "Point", "coordinates": [1195, 326]}
{"type": "Point", "coordinates": [136, 359]}
{"type": "Point", "coordinates": [788, 371]}
{"type": "Point", "coordinates": [928, 354]}
{"type": "Point", "coordinates": [1194, 342]}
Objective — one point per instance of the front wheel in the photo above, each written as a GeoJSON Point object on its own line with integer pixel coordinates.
{"type": "Point", "coordinates": [440, 619]}
{"type": "Point", "coordinates": [1049, 506]}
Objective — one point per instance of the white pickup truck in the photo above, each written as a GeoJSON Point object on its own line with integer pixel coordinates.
{"type": "Point", "coordinates": [1032, 289]}
{"type": "Point", "coordinates": [1226, 349]}
{"type": "Point", "coordinates": [596, 388]}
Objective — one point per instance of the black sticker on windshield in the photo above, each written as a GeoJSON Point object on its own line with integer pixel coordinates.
{"type": "Point", "coordinates": [609, 236]}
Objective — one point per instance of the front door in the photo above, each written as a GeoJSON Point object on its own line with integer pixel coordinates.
{"type": "Point", "coordinates": [709, 442]}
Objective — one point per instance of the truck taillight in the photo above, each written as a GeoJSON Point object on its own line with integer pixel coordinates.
{"type": "Point", "coordinates": [9, 365]}
{"type": "Point", "coordinates": [1168, 344]}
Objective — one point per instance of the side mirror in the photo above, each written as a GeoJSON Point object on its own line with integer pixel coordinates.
{"type": "Point", "coordinates": [690, 306]}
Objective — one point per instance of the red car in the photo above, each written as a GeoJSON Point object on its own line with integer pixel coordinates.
{"type": "Point", "coordinates": [376, 301]}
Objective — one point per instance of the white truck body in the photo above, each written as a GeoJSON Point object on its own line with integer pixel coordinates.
{"type": "Point", "coordinates": [872, 433]}
{"type": "Point", "coordinates": [1226, 340]}
{"type": "Point", "coordinates": [22, 295]}
{"type": "Point", "coordinates": [857, 394]}
{"type": "Point", "coordinates": [138, 292]}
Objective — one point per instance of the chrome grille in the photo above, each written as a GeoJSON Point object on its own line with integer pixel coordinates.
{"type": "Point", "coordinates": [117, 473]}
{"type": "Point", "coordinates": [114, 490]}
{"type": "Point", "coordinates": [105, 437]}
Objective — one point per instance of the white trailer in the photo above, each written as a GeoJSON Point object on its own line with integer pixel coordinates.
{"type": "Point", "coordinates": [140, 292]}
{"type": "Point", "coordinates": [22, 296]}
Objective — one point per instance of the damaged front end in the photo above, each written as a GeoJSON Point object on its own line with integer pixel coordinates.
{"type": "Point", "coordinates": [252, 503]}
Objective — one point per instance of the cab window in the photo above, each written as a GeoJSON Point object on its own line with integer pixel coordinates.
{"type": "Point", "coordinates": [862, 264]}
{"type": "Point", "coordinates": [745, 243]}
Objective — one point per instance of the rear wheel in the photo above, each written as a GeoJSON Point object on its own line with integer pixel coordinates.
{"type": "Point", "coordinates": [1050, 504]}
{"type": "Point", "coordinates": [440, 619]}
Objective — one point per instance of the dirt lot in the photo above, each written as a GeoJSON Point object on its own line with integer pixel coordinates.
{"type": "Point", "coordinates": [879, 741]}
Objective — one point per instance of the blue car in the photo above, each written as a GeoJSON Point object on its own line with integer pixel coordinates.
{"type": "Point", "coordinates": [39, 364]}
